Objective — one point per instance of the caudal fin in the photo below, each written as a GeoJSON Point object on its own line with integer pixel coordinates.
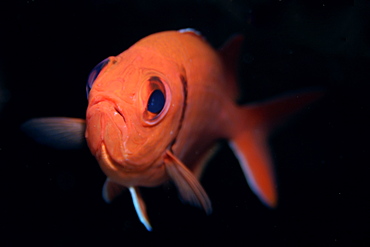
{"type": "Point", "coordinates": [250, 140]}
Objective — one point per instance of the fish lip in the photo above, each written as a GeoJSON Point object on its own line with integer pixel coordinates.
{"type": "Point", "coordinates": [114, 105]}
{"type": "Point", "coordinates": [99, 100]}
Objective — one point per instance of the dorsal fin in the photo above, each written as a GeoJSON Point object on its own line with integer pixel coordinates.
{"type": "Point", "coordinates": [191, 31]}
{"type": "Point", "coordinates": [230, 53]}
{"type": "Point", "coordinates": [191, 191]}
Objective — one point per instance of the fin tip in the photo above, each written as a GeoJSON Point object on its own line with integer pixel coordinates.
{"type": "Point", "coordinates": [140, 207]}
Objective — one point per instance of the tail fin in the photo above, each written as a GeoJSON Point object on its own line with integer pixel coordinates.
{"type": "Point", "coordinates": [250, 140]}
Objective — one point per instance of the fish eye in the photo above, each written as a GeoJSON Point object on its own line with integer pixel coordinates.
{"type": "Point", "coordinates": [155, 98]}
{"type": "Point", "coordinates": [156, 101]}
{"type": "Point", "coordinates": [94, 74]}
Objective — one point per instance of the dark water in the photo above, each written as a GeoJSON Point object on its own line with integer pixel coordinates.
{"type": "Point", "coordinates": [53, 198]}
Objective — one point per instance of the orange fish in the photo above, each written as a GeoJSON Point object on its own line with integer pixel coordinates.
{"type": "Point", "coordinates": [157, 110]}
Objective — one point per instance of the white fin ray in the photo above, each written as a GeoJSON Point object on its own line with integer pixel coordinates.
{"type": "Point", "coordinates": [140, 207]}
{"type": "Point", "coordinates": [190, 30]}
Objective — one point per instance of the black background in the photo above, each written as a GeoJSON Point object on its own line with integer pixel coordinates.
{"type": "Point", "coordinates": [53, 198]}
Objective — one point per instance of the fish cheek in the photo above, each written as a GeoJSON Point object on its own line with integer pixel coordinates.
{"type": "Point", "coordinates": [162, 135]}
{"type": "Point", "coordinates": [146, 146]}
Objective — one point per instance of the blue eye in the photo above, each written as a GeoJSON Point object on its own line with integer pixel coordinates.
{"type": "Point", "coordinates": [156, 101]}
{"type": "Point", "coordinates": [94, 74]}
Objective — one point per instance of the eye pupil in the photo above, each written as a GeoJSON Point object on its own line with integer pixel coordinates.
{"type": "Point", "coordinates": [156, 101]}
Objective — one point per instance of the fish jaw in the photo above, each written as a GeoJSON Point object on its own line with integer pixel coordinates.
{"type": "Point", "coordinates": [130, 175]}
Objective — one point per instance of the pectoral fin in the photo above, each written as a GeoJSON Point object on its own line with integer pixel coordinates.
{"type": "Point", "coordinates": [191, 191]}
{"type": "Point", "coordinates": [57, 132]}
{"type": "Point", "coordinates": [140, 207]}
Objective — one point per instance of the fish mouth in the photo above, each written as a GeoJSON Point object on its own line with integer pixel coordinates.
{"type": "Point", "coordinates": [120, 156]}
{"type": "Point", "coordinates": [106, 130]}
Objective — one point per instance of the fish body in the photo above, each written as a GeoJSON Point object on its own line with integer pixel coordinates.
{"type": "Point", "coordinates": [157, 110]}
{"type": "Point", "coordinates": [192, 76]}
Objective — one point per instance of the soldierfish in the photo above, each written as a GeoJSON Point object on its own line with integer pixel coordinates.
{"type": "Point", "coordinates": [156, 111]}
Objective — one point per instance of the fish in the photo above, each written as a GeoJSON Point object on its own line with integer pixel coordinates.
{"type": "Point", "coordinates": [157, 111]}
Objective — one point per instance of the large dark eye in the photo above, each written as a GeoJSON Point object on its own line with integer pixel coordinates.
{"type": "Point", "coordinates": [155, 98]}
{"type": "Point", "coordinates": [94, 74]}
{"type": "Point", "coordinates": [156, 101]}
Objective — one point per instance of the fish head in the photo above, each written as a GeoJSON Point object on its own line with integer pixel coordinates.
{"type": "Point", "coordinates": [134, 113]}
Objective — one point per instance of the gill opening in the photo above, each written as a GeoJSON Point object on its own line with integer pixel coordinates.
{"type": "Point", "coordinates": [184, 83]}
